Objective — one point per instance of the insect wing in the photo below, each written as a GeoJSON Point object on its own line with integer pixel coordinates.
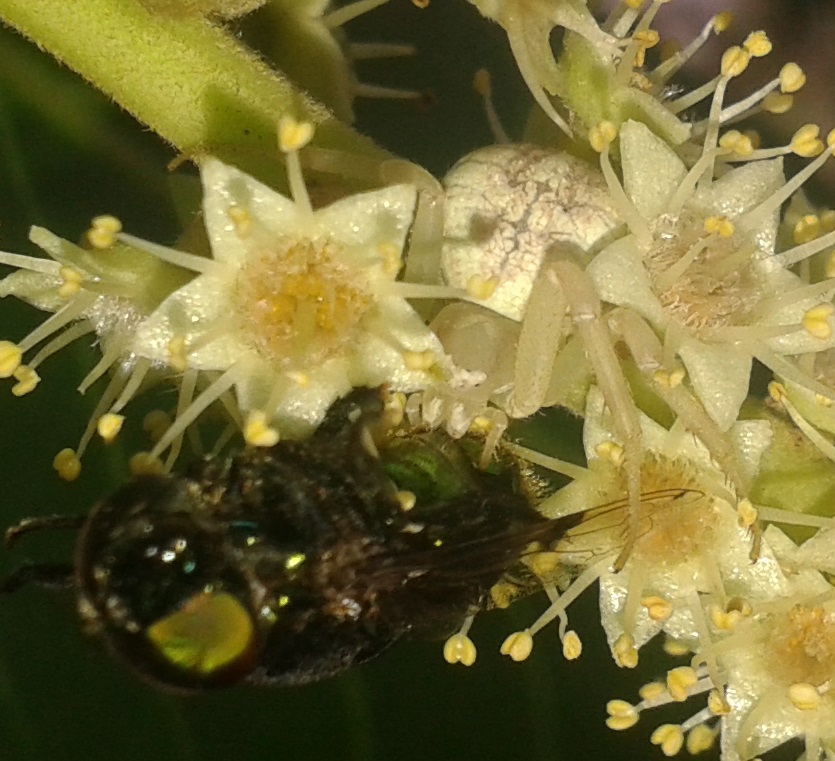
{"type": "Point", "coordinates": [604, 530]}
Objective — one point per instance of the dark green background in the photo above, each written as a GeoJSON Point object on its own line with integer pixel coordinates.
{"type": "Point", "coordinates": [66, 154]}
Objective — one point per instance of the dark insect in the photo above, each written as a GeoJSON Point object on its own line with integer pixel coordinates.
{"type": "Point", "coordinates": [289, 564]}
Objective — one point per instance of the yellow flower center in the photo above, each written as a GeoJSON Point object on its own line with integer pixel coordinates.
{"type": "Point", "coordinates": [672, 531]}
{"type": "Point", "coordinates": [702, 273]}
{"type": "Point", "coordinates": [297, 300]}
{"type": "Point", "coordinates": [802, 647]}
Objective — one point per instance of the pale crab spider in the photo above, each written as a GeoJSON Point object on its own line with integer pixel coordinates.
{"type": "Point", "coordinates": [507, 237]}
{"type": "Point", "coordinates": [520, 225]}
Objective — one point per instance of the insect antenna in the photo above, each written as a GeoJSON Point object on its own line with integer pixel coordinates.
{"type": "Point", "coordinates": [43, 575]}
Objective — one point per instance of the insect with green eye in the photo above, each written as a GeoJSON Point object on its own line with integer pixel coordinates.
{"type": "Point", "coordinates": [289, 564]}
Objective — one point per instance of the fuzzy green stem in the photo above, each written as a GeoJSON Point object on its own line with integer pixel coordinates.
{"type": "Point", "coordinates": [195, 85]}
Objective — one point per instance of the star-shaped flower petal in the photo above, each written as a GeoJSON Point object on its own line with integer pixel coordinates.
{"type": "Point", "coordinates": [297, 306]}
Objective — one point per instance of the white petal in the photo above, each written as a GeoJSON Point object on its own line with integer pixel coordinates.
{"type": "Point", "coordinates": [619, 274]}
{"type": "Point", "coordinates": [651, 169]}
{"type": "Point", "coordinates": [224, 188]}
{"type": "Point", "coordinates": [741, 189]}
{"type": "Point", "coordinates": [299, 407]}
{"type": "Point", "coordinates": [377, 353]}
{"type": "Point", "coordinates": [367, 219]}
{"type": "Point", "coordinates": [719, 375]}
{"type": "Point", "coordinates": [189, 313]}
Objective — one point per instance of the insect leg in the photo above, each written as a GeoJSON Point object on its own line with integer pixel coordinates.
{"type": "Point", "coordinates": [44, 575]}
{"type": "Point", "coordinates": [45, 523]}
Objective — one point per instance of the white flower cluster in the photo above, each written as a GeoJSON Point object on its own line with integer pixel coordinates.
{"type": "Point", "coordinates": [636, 279]}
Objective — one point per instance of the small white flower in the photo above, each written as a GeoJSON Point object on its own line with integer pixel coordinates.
{"type": "Point", "coordinates": [297, 306]}
{"type": "Point", "coordinates": [684, 546]}
{"type": "Point", "coordinates": [699, 265]}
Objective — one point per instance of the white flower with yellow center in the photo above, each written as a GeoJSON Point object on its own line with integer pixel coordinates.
{"type": "Point", "coordinates": [103, 292]}
{"type": "Point", "coordinates": [691, 537]}
{"type": "Point", "coordinates": [296, 306]}
{"type": "Point", "coordinates": [699, 265]}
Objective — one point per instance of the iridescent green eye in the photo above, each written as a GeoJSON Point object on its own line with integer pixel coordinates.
{"type": "Point", "coordinates": [210, 632]}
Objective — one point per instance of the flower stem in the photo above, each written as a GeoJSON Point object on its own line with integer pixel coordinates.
{"type": "Point", "coordinates": [194, 84]}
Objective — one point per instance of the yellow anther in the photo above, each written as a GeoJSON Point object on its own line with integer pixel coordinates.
{"type": "Point", "coordinates": [156, 423]}
{"type": "Point", "coordinates": [675, 648]}
{"type": "Point", "coordinates": [406, 499]}
{"type": "Point", "coordinates": [390, 255]}
{"type": "Point", "coordinates": [722, 21]}
{"type": "Point", "coordinates": [10, 358]}
{"type": "Point", "coordinates": [622, 715]}
{"type": "Point", "coordinates": [481, 288]}
{"type": "Point", "coordinates": [734, 61]}
{"type": "Point", "coordinates": [776, 391]}
{"type": "Point", "coordinates": [482, 83]}
{"type": "Point", "coordinates": [481, 425]}
{"type": "Point", "coordinates": [26, 379]}
{"type": "Point", "coordinates": [777, 102]}
{"type": "Point", "coordinates": [807, 228]}
{"type": "Point", "coordinates": [647, 39]}
{"type": "Point", "coordinates": [419, 360]}
{"type": "Point", "coordinates": [739, 605]}
{"type": "Point", "coordinates": [257, 433]}
{"type": "Point", "coordinates": [518, 645]}
{"type": "Point", "coordinates": [830, 139]}
{"type": "Point", "coordinates": [804, 696]}
{"type": "Point", "coordinates": [830, 264]}
{"type": "Point", "coordinates": [823, 401]}
{"type": "Point", "coordinates": [459, 648]}
{"type": "Point", "coordinates": [109, 425]}
{"type": "Point", "coordinates": [669, 738]}
{"type": "Point", "coordinates": [805, 142]}
{"type": "Point", "coordinates": [610, 451]}
{"type": "Point", "coordinates": [394, 409]}
{"type": "Point", "coordinates": [503, 593]}
{"type": "Point", "coordinates": [624, 651]}
{"type": "Point", "coordinates": [658, 609]}
{"type": "Point", "coordinates": [668, 380]}
{"type": "Point", "coordinates": [722, 226]}
{"type": "Point", "coordinates": [293, 135]}
{"type": "Point", "coordinates": [717, 704]}
{"type": "Point", "coordinates": [735, 142]}
{"type": "Point", "coordinates": [67, 464]}
{"type": "Point", "coordinates": [633, 4]}
{"type": "Point", "coordinates": [725, 620]}
{"type": "Point", "coordinates": [543, 564]}
{"type": "Point", "coordinates": [142, 464]}
{"type": "Point", "coordinates": [602, 135]}
{"type": "Point", "coordinates": [792, 78]}
{"type": "Point", "coordinates": [754, 137]}
{"type": "Point", "coordinates": [572, 645]}
{"type": "Point", "coordinates": [746, 514]}
{"type": "Point", "coordinates": [699, 739]}
{"type": "Point", "coordinates": [72, 280]}
{"type": "Point", "coordinates": [827, 218]}
{"type": "Point", "coordinates": [103, 231]}
{"type": "Point", "coordinates": [679, 680]}
{"type": "Point", "coordinates": [652, 690]}
{"type": "Point", "coordinates": [757, 44]}
{"type": "Point", "coordinates": [241, 218]}
{"type": "Point", "coordinates": [177, 354]}
{"type": "Point", "coordinates": [816, 320]}
{"type": "Point", "coordinates": [302, 380]}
